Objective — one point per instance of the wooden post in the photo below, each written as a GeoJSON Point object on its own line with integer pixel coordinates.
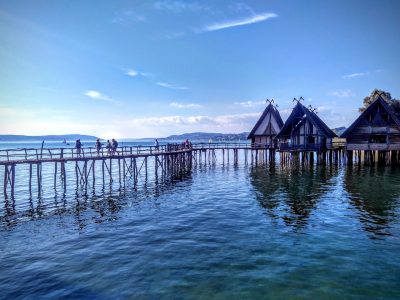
{"type": "Point", "coordinates": [145, 167]}
{"type": "Point", "coordinates": [12, 180]}
{"type": "Point", "coordinates": [119, 170]}
{"type": "Point", "coordinates": [5, 180]}
{"type": "Point", "coordinates": [76, 174]}
{"type": "Point", "coordinates": [30, 178]}
{"type": "Point", "coordinates": [93, 174]}
{"type": "Point", "coordinates": [64, 176]}
{"type": "Point", "coordinates": [86, 175]}
{"type": "Point", "coordinates": [103, 161]}
{"type": "Point", "coordinates": [39, 176]}
{"type": "Point", "coordinates": [110, 170]}
{"type": "Point", "coordinates": [55, 175]}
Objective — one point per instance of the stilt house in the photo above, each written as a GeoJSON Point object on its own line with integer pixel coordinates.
{"type": "Point", "coordinates": [377, 128]}
{"type": "Point", "coordinates": [304, 131]}
{"type": "Point", "coordinates": [266, 128]}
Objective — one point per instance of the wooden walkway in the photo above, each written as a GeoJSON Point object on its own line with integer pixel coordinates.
{"type": "Point", "coordinates": [164, 162]}
{"type": "Point", "coordinates": [167, 161]}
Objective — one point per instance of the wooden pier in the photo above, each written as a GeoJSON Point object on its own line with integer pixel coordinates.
{"type": "Point", "coordinates": [130, 163]}
{"type": "Point", "coordinates": [127, 164]}
{"type": "Point", "coordinates": [89, 167]}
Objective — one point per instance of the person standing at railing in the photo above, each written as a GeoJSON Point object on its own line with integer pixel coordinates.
{"type": "Point", "coordinates": [157, 145]}
{"type": "Point", "coordinates": [98, 146]}
{"type": "Point", "coordinates": [187, 144]}
{"type": "Point", "coordinates": [109, 147]}
{"type": "Point", "coordinates": [78, 146]}
{"type": "Point", "coordinates": [114, 146]}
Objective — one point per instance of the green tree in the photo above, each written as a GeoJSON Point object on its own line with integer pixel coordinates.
{"type": "Point", "coordinates": [394, 103]}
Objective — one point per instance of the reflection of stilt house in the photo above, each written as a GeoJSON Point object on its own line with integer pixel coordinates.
{"type": "Point", "coordinates": [266, 128]}
{"type": "Point", "coordinates": [304, 131]}
{"type": "Point", "coordinates": [377, 128]}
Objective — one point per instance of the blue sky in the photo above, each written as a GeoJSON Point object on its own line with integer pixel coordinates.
{"type": "Point", "coordinates": [132, 69]}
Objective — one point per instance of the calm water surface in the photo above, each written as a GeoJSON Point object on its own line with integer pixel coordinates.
{"type": "Point", "coordinates": [222, 232]}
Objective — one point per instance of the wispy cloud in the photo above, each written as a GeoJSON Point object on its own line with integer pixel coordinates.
{"type": "Point", "coordinates": [133, 73]}
{"type": "Point", "coordinates": [360, 74]}
{"type": "Point", "coordinates": [218, 121]}
{"type": "Point", "coordinates": [246, 21]}
{"type": "Point", "coordinates": [341, 93]}
{"type": "Point", "coordinates": [171, 86]}
{"type": "Point", "coordinates": [249, 103]}
{"type": "Point", "coordinates": [181, 105]}
{"type": "Point", "coordinates": [352, 75]}
{"type": "Point", "coordinates": [127, 17]}
{"type": "Point", "coordinates": [98, 96]}
{"type": "Point", "coordinates": [179, 6]}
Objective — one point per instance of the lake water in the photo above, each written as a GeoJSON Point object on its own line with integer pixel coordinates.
{"type": "Point", "coordinates": [221, 232]}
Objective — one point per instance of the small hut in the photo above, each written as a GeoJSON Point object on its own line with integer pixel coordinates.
{"type": "Point", "coordinates": [305, 131]}
{"type": "Point", "coordinates": [266, 128]}
{"type": "Point", "coordinates": [376, 129]}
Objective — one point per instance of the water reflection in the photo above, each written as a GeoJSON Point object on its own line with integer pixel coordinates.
{"type": "Point", "coordinates": [291, 193]}
{"type": "Point", "coordinates": [97, 205]}
{"type": "Point", "coordinates": [375, 193]}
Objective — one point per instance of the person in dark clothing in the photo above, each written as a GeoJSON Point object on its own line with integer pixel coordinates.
{"type": "Point", "coordinates": [78, 146]}
{"type": "Point", "coordinates": [114, 146]}
{"type": "Point", "coordinates": [98, 146]}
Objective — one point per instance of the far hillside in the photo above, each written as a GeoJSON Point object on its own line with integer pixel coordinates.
{"type": "Point", "coordinates": [46, 138]}
{"type": "Point", "coordinates": [206, 136]}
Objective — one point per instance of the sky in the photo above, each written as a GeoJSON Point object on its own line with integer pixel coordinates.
{"type": "Point", "coordinates": [136, 69]}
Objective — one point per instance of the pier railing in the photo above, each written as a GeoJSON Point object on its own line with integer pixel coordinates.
{"type": "Point", "coordinates": [29, 154]}
{"type": "Point", "coordinates": [86, 152]}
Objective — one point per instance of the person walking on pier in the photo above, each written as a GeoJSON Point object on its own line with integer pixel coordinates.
{"type": "Point", "coordinates": [157, 145]}
{"type": "Point", "coordinates": [78, 146]}
{"type": "Point", "coordinates": [109, 147]}
{"type": "Point", "coordinates": [187, 144]}
{"type": "Point", "coordinates": [114, 146]}
{"type": "Point", "coordinates": [98, 146]}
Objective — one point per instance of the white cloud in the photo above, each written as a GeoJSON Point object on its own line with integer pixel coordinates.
{"type": "Point", "coordinates": [216, 121]}
{"type": "Point", "coordinates": [247, 21]}
{"type": "Point", "coordinates": [249, 103]}
{"type": "Point", "coordinates": [179, 6]}
{"type": "Point", "coordinates": [181, 105]}
{"type": "Point", "coordinates": [171, 86]}
{"type": "Point", "coordinates": [355, 75]}
{"type": "Point", "coordinates": [98, 96]}
{"type": "Point", "coordinates": [132, 73]}
{"type": "Point", "coordinates": [360, 74]}
{"type": "Point", "coordinates": [341, 93]}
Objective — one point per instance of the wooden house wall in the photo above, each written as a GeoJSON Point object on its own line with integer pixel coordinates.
{"type": "Point", "coordinates": [263, 140]}
{"type": "Point", "coordinates": [300, 134]}
{"type": "Point", "coordinates": [383, 135]}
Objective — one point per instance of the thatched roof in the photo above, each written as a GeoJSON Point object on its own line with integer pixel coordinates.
{"type": "Point", "coordinates": [274, 113]}
{"type": "Point", "coordinates": [299, 114]}
{"type": "Point", "coordinates": [361, 120]}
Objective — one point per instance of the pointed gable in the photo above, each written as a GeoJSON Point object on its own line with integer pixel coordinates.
{"type": "Point", "coordinates": [299, 114]}
{"type": "Point", "coordinates": [375, 111]}
{"type": "Point", "coordinates": [270, 122]}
